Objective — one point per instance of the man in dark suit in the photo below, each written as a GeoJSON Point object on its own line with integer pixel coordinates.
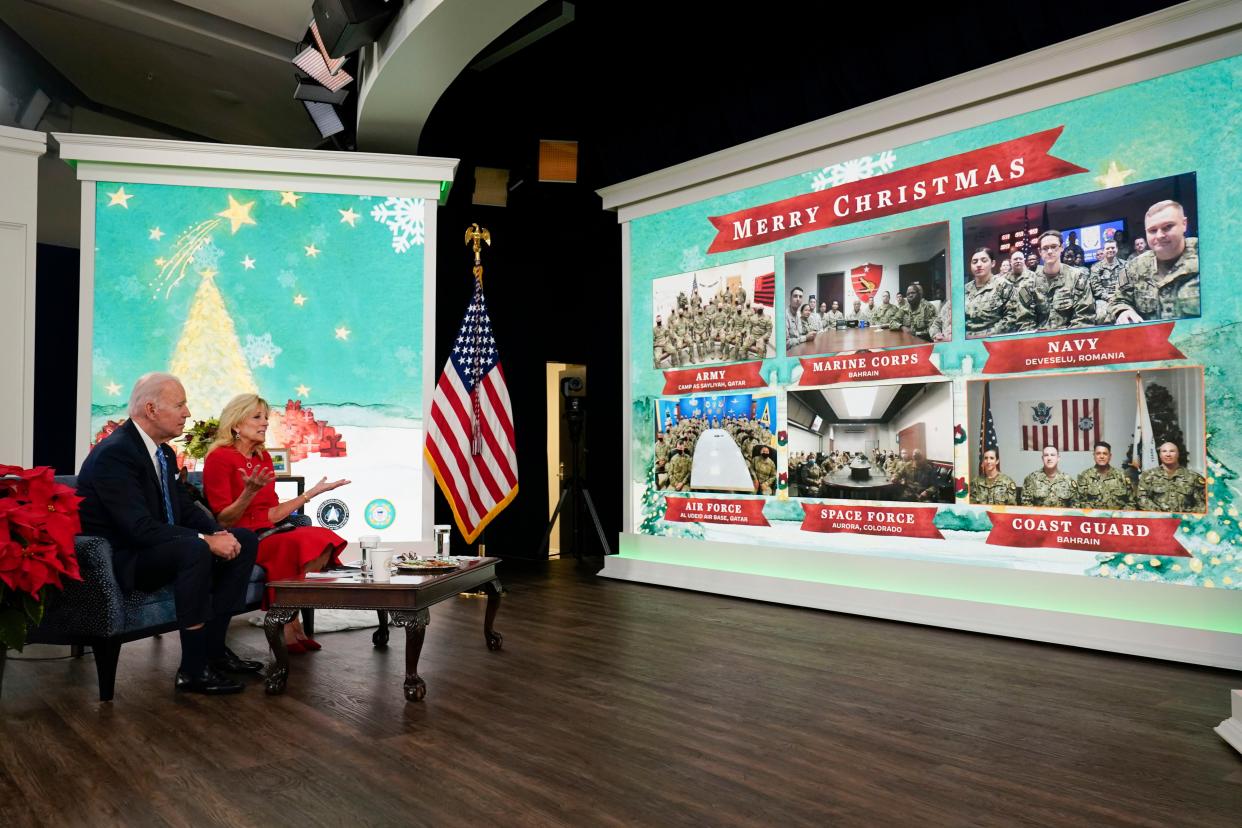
{"type": "Point", "coordinates": [160, 535]}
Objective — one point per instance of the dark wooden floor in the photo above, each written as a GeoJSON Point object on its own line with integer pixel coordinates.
{"type": "Point", "coordinates": [616, 703]}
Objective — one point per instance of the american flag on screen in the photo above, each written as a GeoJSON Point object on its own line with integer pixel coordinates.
{"type": "Point", "coordinates": [987, 428]}
{"type": "Point", "coordinates": [765, 290]}
{"type": "Point", "coordinates": [470, 443]}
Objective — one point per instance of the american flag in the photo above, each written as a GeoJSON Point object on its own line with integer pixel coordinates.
{"type": "Point", "coordinates": [470, 443]}
{"type": "Point", "coordinates": [987, 428]}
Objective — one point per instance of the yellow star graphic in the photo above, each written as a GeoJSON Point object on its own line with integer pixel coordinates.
{"type": "Point", "coordinates": [349, 217]}
{"type": "Point", "coordinates": [156, 234]}
{"type": "Point", "coordinates": [113, 389]}
{"type": "Point", "coordinates": [290, 198]}
{"type": "Point", "coordinates": [299, 300]}
{"type": "Point", "coordinates": [267, 360]}
{"type": "Point", "coordinates": [303, 391]}
{"type": "Point", "coordinates": [208, 273]}
{"type": "Point", "coordinates": [312, 251]}
{"type": "Point", "coordinates": [343, 332]}
{"type": "Point", "coordinates": [1114, 176]}
{"type": "Point", "coordinates": [120, 197]}
{"type": "Point", "coordinates": [160, 262]}
{"type": "Point", "coordinates": [248, 263]}
{"type": "Point", "coordinates": [237, 214]}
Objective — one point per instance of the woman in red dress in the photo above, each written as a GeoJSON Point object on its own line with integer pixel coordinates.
{"type": "Point", "coordinates": [240, 485]}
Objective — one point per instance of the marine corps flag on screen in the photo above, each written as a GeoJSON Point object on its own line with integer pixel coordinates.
{"type": "Point", "coordinates": [470, 443]}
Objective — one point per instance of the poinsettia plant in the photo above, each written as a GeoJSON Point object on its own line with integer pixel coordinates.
{"type": "Point", "coordinates": [198, 438]}
{"type": "Point", "coordinates": [38, 520]}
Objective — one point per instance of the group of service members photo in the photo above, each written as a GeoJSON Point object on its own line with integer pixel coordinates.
{"type": "Point", "coordinates": [916, 478]}
{"type": "Point", "coordinates": [1159, 280]}
{"type": "Point", "coordinates": [804, 321]}
{"type": "Point", "coordinates": [724, 328]}
{"type": "Point", "coordinates": [1170, 487]}
{"type": "Point", "coordinates": [674, 452]}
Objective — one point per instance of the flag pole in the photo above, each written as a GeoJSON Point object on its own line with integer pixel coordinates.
{"type": "Point", "coordinates": [476, 236]}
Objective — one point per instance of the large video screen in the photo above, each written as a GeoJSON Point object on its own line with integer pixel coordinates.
{"type": "Point", "coordinates": [310, 300]}
{"type": "Point", "coordinates": [1012, 346]}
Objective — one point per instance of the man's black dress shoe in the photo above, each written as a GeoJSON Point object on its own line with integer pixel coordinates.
{"type": "Point", "coordinates": [230, 663]}
{"type": "Point", "coordinates": [208, 682]}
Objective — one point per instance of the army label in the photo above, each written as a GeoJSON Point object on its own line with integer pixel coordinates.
{"type": "Point", "coordinates": [868, 366]}
{"type": "Point", "coordinates": [899, 522]}
{"type": "Point", "coordinates": [713, 378]}
{"type": "Point", "coordinates": [1146, 343]}
{"type": "Point", "coordinates": [1141, 536]}
{"type": "Point", "coordinates": [715, 510]}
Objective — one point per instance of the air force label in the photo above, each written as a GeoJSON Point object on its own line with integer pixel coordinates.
{"type": "Point", "coordinates": [333, 514]}
{"type": "Point", "coordinates": [379, 513]}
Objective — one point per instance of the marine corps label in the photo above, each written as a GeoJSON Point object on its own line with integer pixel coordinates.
{"type": "Point", "coordinates": [869, 366]}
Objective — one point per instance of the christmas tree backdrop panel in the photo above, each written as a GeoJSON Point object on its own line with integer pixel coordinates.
{"type": "Point", "coordinates": [1094, 218]}
{"type": "Point", "coordinates": [866, 270]}
{"type": "Point", "coordinates": [1075, 411]}
{"type": "Point", "coordinates": [1100, 161]}
{"type": "Point", "coordinates": [314, 301]}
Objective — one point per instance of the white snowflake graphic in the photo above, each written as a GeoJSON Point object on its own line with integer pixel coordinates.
{"type": "Point", "coordinates": [131, 287]}
{"type": "Point", "coordinates": [853, 170]}
{"type": "Point", "coordinates": [405, 354]}
{"type": "Point", "coordinates": [208, 256]}
{"type": "Point", "coordinates": [100, 364]}
{"type": "Point", "coordinates": [260, 350]}
{"type": "Point", "coordinates": [286, 278]}
{"type": "Point", "coordinates": [692, 258]}
{"type": "Point", "coordinates": [319, 234]}
{"type": "Point", "coordinates": [404, 217]}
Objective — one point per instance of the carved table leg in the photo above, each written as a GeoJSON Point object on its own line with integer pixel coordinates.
{"type": "Point", "coordinates": [274, 627]}
{"type": "Point", "coordinates": [494, 639]}
{"type": "Point", "coordinates": [380, 637]}
{"type": "Point", "coordinates": [415, 624]}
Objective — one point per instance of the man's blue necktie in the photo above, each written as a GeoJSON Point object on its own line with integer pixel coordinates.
{"type": "Point", "coordinates": [163, 461]}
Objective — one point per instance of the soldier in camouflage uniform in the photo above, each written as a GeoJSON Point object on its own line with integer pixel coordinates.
{"type": "Point", "coordinates": [990, 487]}
{"type": "Point", "coordinates": [918, 479]}
{"type": "Point", "coordinates": [700, 339]}
{"type": "Point", "coordinates": [883, 313]}
{"type": "Point", "coordinates": [899, 466]}
{"type": "Point", "coordinates": [1017, 267]}
{"type": "Point", "coordinates": [1163, 281]}
{"type": "Point", "coordinates": [679, 469]}
{"type": "Point", "coordinates": [917, 314]}
{"type": "Point", "coordinates": [1102, 486]}
{"type": "Point", "coordinates": [941, 329]}
{"type": "Point", "coordinates": [1172, 487]}
{"type": "Point", "coordinates": [812, 478]}
{"type": "Point", "coordinates": [1049, 486]}
{"type": "Point", "coordinates": [1105, 274]}
{"type": "Point", "coordinates": [1065, 288]}
{"type": "Point", "coordinates": [758, 335]}
{"type": "Point", "coordinates": [989, 300]}
{"type": "Point", "coordinates": [765, 472]}
{"type": "Point", "coordinates": [679, 330]}
{"type": "Point", "coordinates": [662, 345]}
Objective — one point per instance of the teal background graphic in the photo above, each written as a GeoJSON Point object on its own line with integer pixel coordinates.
{"type": "Point", "coordinates": [1183, 122]}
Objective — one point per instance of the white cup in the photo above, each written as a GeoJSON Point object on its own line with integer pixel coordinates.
{"type": "Point", "coordinates": [381, 564]}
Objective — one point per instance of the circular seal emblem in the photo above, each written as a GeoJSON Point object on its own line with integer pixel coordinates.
{"type": "Point", "coordinates": [379, 513]}
{"type": "Point", "coordinates": [333, 514]}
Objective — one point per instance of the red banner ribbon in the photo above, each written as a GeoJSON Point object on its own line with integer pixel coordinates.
{"type": "Point", "coordinates": [1141, 536]}
{"type": "Point", "coordinates": [715, 510]}
{"type": "Point", "coordinates": [868, 366]}
{"type": "Point", "coordinates": [894, 521]}
{"type": "Point", "coordinates": [1144, 343]}
{"type": "Point", "coordinates": [1003, 166]}
{"type": "Point", "coordinates": [713, 378]}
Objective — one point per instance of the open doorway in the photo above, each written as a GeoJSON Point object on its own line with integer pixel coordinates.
{"type": "Point", "coordinates": [560, 449]}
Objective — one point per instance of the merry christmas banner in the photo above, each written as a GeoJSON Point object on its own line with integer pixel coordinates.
{"type": "Point", "coordinates": [1012, 346]}
{"type": "Point", "coordinates": [255, 291]}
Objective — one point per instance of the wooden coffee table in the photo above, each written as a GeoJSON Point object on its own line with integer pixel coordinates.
{"type": "Point", "coordinates": [406, 600]}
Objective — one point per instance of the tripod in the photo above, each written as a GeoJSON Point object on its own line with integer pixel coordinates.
{"type": "Point", "coordinates": [576, 415]}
